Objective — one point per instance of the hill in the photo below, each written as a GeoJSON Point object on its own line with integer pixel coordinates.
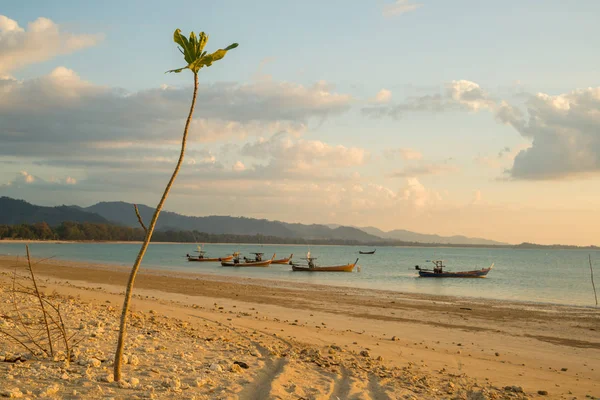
{"type": "Point", "coordinates": [18, 212]}
{"type": "Point", "coordinates": [21, 212]}
{"type": "Point", "coordinates": [121, 212]}
{"type": "Point", "coordinates": [408, 236]}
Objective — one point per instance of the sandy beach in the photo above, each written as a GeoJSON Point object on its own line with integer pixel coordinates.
{"type": "Point", "coordinates": [298, 341]}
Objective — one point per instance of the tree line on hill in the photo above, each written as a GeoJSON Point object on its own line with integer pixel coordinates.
{"type": "Point", "coordinates": [87, 231]}
{"type": "Point", "coordinates": [102, 232]}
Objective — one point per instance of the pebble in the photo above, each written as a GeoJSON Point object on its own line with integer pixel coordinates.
{"type": "Point", "coordinates": [365, 353]}
{"type": "Point", "coordinates": [235, 368]}
{"type": "Point", "coordinates": [242, 364]}
{"type": "Point", "coordinates": [13, 393]}
{"type": "Point", "coordinates": [543, 392]}
{"type": "Point", "coordinates": [215, 367]}
{"type": "Point", "coordinates": [395, 338]}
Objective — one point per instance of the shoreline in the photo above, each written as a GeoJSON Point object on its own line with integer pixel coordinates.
{"type": "Point", "coordinates": [298, 285]}
{"type": "Point", "coordinates": [494, 343]}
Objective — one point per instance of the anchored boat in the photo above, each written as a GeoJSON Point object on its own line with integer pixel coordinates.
{"type": "Point", "coordinates": [312, 266]}
{"type": "Point", "coordinates": [438, 271]}
{"type": "Point", "coordinates": [202, 257]}
{"type": "Point", "coordinates": [246, 262]}
{"type": "Point", "coordinates": [367, 252]}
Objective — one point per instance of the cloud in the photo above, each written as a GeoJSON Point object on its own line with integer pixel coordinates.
{"type": "Point", "coordinates": [399, 7]}
{"type": "Point", "coordinates": [460, 95]}
{"type": "Point", "coordinates": [41, 41]}
{"type": "Point", "coordinates": [425, 169]}
{"type": "Point", "coordinates": [239, 166]}
{"type": "Point", "coordinates": [564, 133]}
{"type": "Point", "coordinates": [62, 117]}
{"type": "Point", "coordinates": [477, 197]}
{"type": "Point", "coordinates": [25, 179]}
{"type": "Point", "coordinates": [382, 97]}
{"type": "Point", "coordinates": [404, 153]}
{"type": "Point", "coordinates": [417, 195]}
{"type": "Point", "coordinates": [503, 159]}
{"type": "Point", "coordinates": [310, 158]}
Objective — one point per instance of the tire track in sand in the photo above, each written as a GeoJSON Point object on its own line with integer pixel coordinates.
{"type": "Point", "coordinates": [260, 387]}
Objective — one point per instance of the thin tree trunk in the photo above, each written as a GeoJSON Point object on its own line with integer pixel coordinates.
{"type": "Point", "coordinates": [592, 273]}
{"type": "Point", "coordinates": [140, 256]}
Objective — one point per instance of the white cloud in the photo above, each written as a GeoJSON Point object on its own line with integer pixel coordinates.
{"type": "Point", "coordinates": [425, 169]}
{"type": "Point", "coordinates": [459, 95]}
{"type": "Point", "coordinates": [41, 41]}
{"type": "Point", "coordinates": [306, 157]}
{"type": "Point", "coordinates": [477, 197]}
{"type": "Point", "coordinates": [405, 153]}
{"type": "Point", "coordinates": [564, 133]}
{"type": "Point", "coordinates": [239, 166]}
{"type": "Point", "coordinates": [26, 180]}
{"type": "Point", "coordinates": [419, 196]}
{"type": "Point", "coordinates": [382, 97]}
{"type": "Point", "coordinates": [399, 7]}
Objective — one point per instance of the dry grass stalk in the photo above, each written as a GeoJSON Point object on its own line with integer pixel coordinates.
{"type": "Point", "coordinates": [36, 323]}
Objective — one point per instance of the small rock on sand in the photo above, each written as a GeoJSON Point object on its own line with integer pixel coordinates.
{"type": "Point", "coordinates": [235, 368]}
{"type": "Point", "coordinates": [365, 353]}
{"type": "Point", "coordinates": [543, 392]}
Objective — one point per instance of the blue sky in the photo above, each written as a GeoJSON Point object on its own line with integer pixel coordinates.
{"type": "Point", "coordinates": [443, 118]}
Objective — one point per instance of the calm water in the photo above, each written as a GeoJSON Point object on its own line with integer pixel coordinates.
{"type": "Point", "coordinates": [549, 276]}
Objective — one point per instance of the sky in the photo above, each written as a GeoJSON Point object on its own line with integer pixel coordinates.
{"type": "Point", "coordinates": [450, 117]}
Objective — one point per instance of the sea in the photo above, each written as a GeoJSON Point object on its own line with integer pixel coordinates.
{"type": "Point", "coordinates": [528, 275]}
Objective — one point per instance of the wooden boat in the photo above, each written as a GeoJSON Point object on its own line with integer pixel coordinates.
{"type": "Point", "coordinates": [283, 260]}
{"type": "Point", "coordinates": [367, 252]}
{"type": "Point", "coordinates": [312, 267]}
{"type": "Point", "coordinates": [438, 272]}
{"type": "Point", "coordinates": [203, 258]}
{"type": "Point", "coordinates": [236, 262]}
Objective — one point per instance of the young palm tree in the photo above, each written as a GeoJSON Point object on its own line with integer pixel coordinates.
{"type": "Point", "coordinates": [196, 58]}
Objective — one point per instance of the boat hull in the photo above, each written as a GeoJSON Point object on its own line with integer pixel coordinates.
{"type": "Point", "coordinates": [283, 260]}
{"type": "Point", "coordinates": [337, 268]}
{"type": "Point", "coordinates": [464, 274]}
{"type": "Point", "coordinates": [197, 259]}
{"type": "Point", "coordinates": [246, 264]}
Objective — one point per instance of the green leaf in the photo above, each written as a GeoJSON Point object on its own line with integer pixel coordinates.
{"type": "Point", "coordinates": [193, 51]}
{"type": "Point", "coordinates": [178, 70]}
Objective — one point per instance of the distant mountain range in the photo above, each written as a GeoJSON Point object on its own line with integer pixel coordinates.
{"type": "Point", "coordinates": [408, 236]}
{"type": "Point", "coordinates": [18, 211]}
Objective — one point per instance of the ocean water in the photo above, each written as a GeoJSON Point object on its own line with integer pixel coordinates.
{"type": "Point", "coordinates": [543, 276]}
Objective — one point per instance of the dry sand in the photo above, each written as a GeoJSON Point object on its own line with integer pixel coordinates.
{"type": "Point", "coordinates": [298, 341]}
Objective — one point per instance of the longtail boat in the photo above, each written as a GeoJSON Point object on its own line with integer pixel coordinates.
{"type": "Point", "coordinates": [438, 271]}
{"type": "Point", "coordinates": [283, 260]}
{"type": "Point", "coordinates": [312, 267]}
{"type": "Point", "coordinates": [202, 257]}
{"type": "Point", "coordinates": [236, 262]}
{"type": "Point", "coordinates": [367, 252]}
